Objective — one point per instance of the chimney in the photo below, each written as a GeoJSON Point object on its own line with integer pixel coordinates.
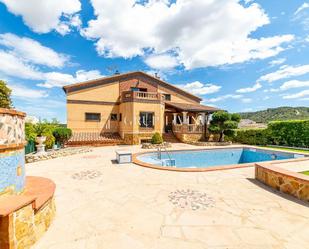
{"type": "Point", "coordinates": [157, 76]}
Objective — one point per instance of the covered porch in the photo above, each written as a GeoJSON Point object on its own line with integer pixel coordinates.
{"type": "Point", "coordinates": [188, 122]}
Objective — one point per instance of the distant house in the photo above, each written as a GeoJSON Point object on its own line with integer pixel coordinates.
{"type": "Point", "coordinates": [248, 123]}
{"type": "Point", "coordinates": [134, 105]}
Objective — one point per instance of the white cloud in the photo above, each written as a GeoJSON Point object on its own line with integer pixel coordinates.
{"type": "Point", "coordinates": [285, 72]}
{"type": "Point", "coordinates": [43, 16]}
{"type": "Point", "coordinates": [249, 89]}
{"type": "Point", "coordinates": [277, 61]}
{"type": "Point", "coordinates": [246, 100]}
{"type": "Point", "coordinates": [162, 62]}
{"type": "Point", "coordinates": [55, 79]}
{"type": "Point", "coordinates": [199, 33]}
{"type": "Point", "coordinates": [32, 51]}
{"type": "Point", "coordinates": [20, 91]}
{"type": "Point", "coordinates": [224, 97]}
{"type": "Point", "coordinates": [294, 84]}
{"type": "Point", "coordinates": [302, 94]}
{"type": "Point", "coordinates": [199, 88]}
{"type": "Point", "coordinates": [301, 8]}
{"type": "Point", "coordinates": [12, 65]}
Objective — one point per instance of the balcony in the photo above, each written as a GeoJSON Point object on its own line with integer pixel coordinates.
{"type": "Point", "coordinates": [188, 128]}
{"type": "Point", "coordinates": [129, 96]}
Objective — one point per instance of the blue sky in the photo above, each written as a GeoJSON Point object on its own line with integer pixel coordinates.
{"type": "Point", "coordinates": [237, 55]}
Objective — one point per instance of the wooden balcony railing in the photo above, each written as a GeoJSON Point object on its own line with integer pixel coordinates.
{"type": "Point", "coordinates": [134, 95]}
{"type": "Point", "coordinates": [188, 128]}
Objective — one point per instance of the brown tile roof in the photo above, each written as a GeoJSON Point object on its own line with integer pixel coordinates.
{"type": "Point", "coordinates": [100, 81]}
{"type": "Point", "coordinates": [192, 107]}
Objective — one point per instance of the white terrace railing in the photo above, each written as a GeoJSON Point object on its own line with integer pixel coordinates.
{"type": "Point", "coordinates": [188, 128]}
{"type": "Point", "coordinates": [131, 95]}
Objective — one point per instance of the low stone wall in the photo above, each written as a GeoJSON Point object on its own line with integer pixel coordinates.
{"type": "Point", "coordinates": [22, 228]}
{"type": "Point", "coordinates": [134, 139]}
{"type": "Point", "coordinates": [285, 181]}
{"type": "Point", "coordinates": [189, 137]}
{"type": "Point", "coordinates": [33, 157]}
{"type": "Point", "coordinates": [195, 137]}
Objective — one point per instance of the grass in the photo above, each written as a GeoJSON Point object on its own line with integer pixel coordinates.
{"type": "Point", "coordinates": [285, 149]}
{"type": "Point", "coordinates": [305, 173]}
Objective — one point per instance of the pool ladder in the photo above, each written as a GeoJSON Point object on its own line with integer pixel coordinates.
{"type": "Point", "coordinates": [159, 152]}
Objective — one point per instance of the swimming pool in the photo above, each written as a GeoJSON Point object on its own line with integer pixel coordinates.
{"type": "Point", "coordinates": [209, 158]}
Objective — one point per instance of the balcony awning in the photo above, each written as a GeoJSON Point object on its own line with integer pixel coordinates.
{"type": "Point", "coordinates": [191, 107]}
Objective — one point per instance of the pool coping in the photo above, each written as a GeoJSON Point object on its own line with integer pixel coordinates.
{"type": "Point", "coordinates": [222, 167]}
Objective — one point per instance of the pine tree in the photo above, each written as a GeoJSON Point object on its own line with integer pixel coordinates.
{"type": "Point", "coordinates": [5, 95]}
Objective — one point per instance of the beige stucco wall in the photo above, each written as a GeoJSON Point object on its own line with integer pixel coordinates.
{"type": "Point", "coordinates": [109, 96]}
{"type": "Point", "coordinates": [176, 97]}
{"type": "Point", "coordinates": [130, 117]}
{"type": "Point", "coordinates": [76, 118]}
{"type": "Point", "coordinates": [107, 92]}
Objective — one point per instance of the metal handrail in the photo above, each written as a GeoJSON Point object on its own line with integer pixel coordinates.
{"type": "Point", "coordinates": [160, 153]}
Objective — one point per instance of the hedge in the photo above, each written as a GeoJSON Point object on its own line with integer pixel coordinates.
{"type": "Point", "coordinates": [252, 136]}
{"type": "Point", "coordinates": [294, 133]}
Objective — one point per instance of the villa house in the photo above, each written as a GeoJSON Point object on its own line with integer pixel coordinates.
{"type": "Point", "coordinates": [134, 106]}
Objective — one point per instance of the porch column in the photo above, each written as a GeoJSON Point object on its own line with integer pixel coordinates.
{"type": "Point", "coordinates": [203, 118]}
{"type": "Point", "coordinates": [174, 118]}
{"type": "Point", "coordinates": [184, 118]}
{"type": "Point", "coordinates": [206, 125]}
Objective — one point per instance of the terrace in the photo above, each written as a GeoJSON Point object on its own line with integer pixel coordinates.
{"type": "Point", "coordinates": [105, 205]}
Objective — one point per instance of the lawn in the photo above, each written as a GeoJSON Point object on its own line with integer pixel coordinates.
{"type": "Point", "coordinates": [286, 149]}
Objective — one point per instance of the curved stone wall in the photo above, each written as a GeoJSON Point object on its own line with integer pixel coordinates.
{"type": "Point", "coordinates": [12, 158]}
{"type": "Point", "coordinates": [283, 180]}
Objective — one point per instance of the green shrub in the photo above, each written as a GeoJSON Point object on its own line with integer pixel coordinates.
{"type": "Point", "coordinates": [62, 134]}
{"type": "Point", "coordinates": [44, 128]}
{"type": "Point", "coordinates": [251, 136]}
{"type": "Point", "coordinates": [223, 123]}
{"type": "Point", "coordinates": [157, 138]}
{"type": "Point", "coordinates": [30, 132]}
{"type": "Point", "coordinates": [50, 140]}
{"type": "Point", "coordinates": [293, 133]}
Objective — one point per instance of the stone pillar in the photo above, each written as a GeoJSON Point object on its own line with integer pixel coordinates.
{"type": "Point", "coordinates": [12, 143]}
{"type": "Point", "coordinates": [184, 118]}
{"type": "Point", "coordinates": [174, 118]}
{"type": "Point", "coordinates": [203, 118]}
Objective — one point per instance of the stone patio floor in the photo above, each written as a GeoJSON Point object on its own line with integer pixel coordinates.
{"type": "Point", "coordinates": [104, 205]}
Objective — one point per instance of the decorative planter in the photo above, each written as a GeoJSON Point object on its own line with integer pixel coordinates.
{"type": "Point", "coordinates": [40, 146]}
{"type": "Point", "coordinates": [12, 157]}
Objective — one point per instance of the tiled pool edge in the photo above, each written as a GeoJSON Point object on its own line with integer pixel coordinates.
{"type": "Point", "coordinates": [285, 181]}
{"type": "Point", "coordinates": [215, 168]}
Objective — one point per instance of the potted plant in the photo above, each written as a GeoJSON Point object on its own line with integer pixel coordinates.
{"type": "Point", "coordinates": [40, 129]}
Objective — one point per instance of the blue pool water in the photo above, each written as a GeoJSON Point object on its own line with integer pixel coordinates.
{"type": "Point", "coordinates": [215, 157]}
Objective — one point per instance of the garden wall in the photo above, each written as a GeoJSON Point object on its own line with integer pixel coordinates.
{"type": "Point", "coordinates": [285, 181]}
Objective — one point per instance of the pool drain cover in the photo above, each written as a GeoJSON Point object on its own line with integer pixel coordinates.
{"type": "Point", "coordinates": [86, 175]}
{"type": "Point", "coordinates": [190, 199]}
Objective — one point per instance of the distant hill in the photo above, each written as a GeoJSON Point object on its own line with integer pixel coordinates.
{"type": "Point", "coordinates": [280, 113]}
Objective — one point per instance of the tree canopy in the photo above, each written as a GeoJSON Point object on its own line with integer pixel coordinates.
{"type": "Point", "coordinates": [223, 123]}
{"type": "Point", "coordinates": [5, 95]}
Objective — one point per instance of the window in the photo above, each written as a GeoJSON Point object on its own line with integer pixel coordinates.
{"type": "Point", "coordinates": [96, 117]}
{"type": "Point", "coordinates": [167, 97]}
{"type": "Point", "coordinates": [137, 89]}
{"type": "Point", "coordinates": [120, 117]}
{"type": "Point", "coordinates": [146, 119]}
{"type": "Point", "coordinates": [113, 117]}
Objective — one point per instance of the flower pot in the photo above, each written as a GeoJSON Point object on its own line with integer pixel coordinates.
{"type": "Point", "coordinates": [40, 139]}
